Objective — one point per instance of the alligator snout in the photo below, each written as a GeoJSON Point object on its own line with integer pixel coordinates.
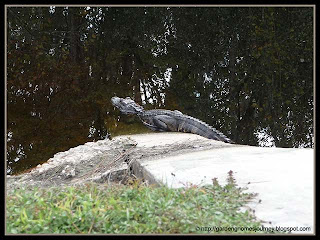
{"type": "Point", "coordinates": [115, 101]}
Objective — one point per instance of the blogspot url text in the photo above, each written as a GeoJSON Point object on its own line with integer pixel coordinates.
{"type": "Point", "coordinates": [275, 229]}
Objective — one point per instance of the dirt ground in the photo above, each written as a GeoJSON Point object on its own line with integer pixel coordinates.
{"type": "Point", "coordinates": [104, 161]}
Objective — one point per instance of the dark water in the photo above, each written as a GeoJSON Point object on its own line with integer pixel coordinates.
{"type": "Point", "coordinates": [234, 68]}
{"type": "Point", "coordinates": [130, 125]}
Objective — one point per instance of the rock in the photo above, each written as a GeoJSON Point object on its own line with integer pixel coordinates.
{"type": "Point", "coordinates": [68, 172]}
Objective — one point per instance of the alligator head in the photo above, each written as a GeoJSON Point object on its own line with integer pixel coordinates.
{"type": "Point", "coordinates": [126, 105]}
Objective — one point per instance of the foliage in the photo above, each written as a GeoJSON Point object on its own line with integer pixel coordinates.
{"type": "Point", "coordinates": [133, 209]}
{"type": "Point", "coordinates": [242, 70]}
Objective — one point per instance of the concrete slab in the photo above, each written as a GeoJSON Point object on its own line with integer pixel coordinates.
{"type": "Point", "coordinates": [150, 140]}
{"type": "Point", "coordinates": [283, 177]}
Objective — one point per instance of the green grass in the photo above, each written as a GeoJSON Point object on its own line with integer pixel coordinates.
{"type": "Point", "coordinates": [131, 209]}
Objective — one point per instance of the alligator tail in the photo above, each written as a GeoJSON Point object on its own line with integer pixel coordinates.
{"type": "Point", "coordinates": [193, 125]}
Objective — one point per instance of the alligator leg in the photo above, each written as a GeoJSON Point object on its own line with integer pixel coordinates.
{"type": "Point", "coordinates": [152, 127]}
{"type": "Point", "coordinates": [160, 123]}
{"type": "Point", "coordinates": [165, 122]}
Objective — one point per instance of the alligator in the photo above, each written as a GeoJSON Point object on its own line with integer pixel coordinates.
{"type": "Point", "coordinates": [167, 120]}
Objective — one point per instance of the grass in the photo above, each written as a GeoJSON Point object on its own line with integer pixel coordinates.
{"type": "Point", "coordinates": [130, 209]}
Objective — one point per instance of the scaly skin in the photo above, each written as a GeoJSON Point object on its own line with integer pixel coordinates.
{"type": "Point", "coordinates": [166, 120]}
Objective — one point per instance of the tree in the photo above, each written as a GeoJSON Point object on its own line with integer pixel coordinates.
{"type": "Point", "coordinates": [242, 70]}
